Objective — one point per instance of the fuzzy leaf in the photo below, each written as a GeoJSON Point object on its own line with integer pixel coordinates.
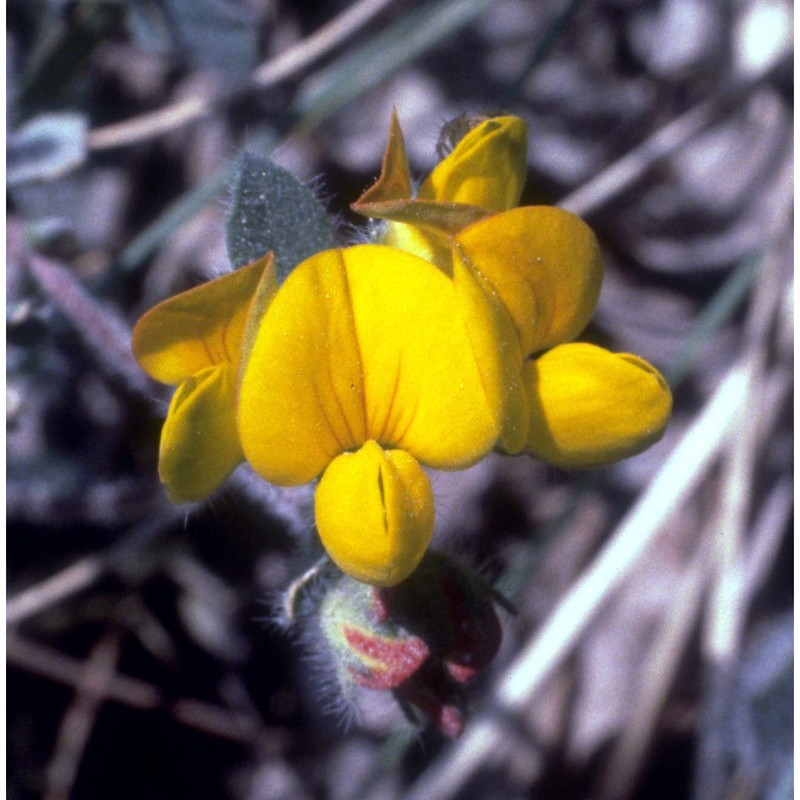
{"type": "Point", "coordinates": [272, 210]}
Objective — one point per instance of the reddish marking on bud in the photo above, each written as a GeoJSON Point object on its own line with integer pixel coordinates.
{"type": "Point", "coordinates": [379, 606]}
{"type": "Point", "coordinates": [427, 696]}
{"type": "Point", "coordinates": [460, 672]}
{"type": "Point", "coordinates": [396, 660]}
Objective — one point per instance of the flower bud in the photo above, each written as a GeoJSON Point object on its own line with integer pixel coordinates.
{"type": "Point", "coordinates": [487, 167]}
{"type": "Point", "coordinates": [422, 639]}
{"type": "Point", "coordinates": [370, 651]}
{"type": "Point", "coordinates": [449, 608]}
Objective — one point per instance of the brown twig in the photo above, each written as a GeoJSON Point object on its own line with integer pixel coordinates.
{"type": "Point", "coordinates": [91, 688]}
{"type": "Point", "coordinates": [84, 572]}
{"type": "Point", "coordinates": [134, 693]}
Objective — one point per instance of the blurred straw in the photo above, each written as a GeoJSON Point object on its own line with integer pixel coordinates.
{"type": "Point", "coordinates": [214, 720]}
{"type": "Point", "coordinates": [404, 40]}
{"type": "Point", "coordinates": [408, 38]}
{"type": "Point", "coordinates": [728, 602]}
{"type": "Point", "coordinates": [86, 571]}
{"type": "Point", "coordinates": [46, 593]}
{"type": "Point", "coordinates": [624, 172]}
{"type": "Point", "coordinates": [389, 757]}
{"type": "Point", "coordinates": [91, 688]}
{"type": "Point", "coordinates": [183, 209]}
{"type": "Point", "coordinates": [658, 673]}
{"type": "Point", "coordinates": [286, 64]}
{"type": "Point", "coordinates": [741, 563]}
{"type": "Point", "coordinates": [329, 36]}
{"type": "Point", "coordinates": [541, 50]}
{"type": "Point", "coordinates": [726, 300]}
{"type": "Point", "coordinates": [107, 336]}
{"type": "Point", "coordinates": [724, 630]}
{"type": "Point", "coordinates": [626, 760]}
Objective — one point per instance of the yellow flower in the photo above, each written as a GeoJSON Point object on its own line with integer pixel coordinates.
{"type": "Point", "coordinates": [451, 339]}
{"type": "Point", "coordinates": [486, 168]}
{"type": "Point", "coordinates": [195, 340]}
{"type": "Point", "coordinates": [529, 278]}
{"type": "Point", "coordinates": [361, 370]}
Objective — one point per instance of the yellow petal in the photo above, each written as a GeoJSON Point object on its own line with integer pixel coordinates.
{"type": "Point", "coordinates": [497, 354]}
{"type": "Point", "coordinates": [362, 343]}
{"type": "Point", "coordinates": [262, 297]}
{"type": "Point", "coordinates": [545, 266]}
{"type": "Point", "coordinates": [487, 168]}
{"type": "Point", "coordinates": [374, 511]}
{"type": "Point", "coordinates": [301, 394]}
{"type": "Point", "coordinates": [423, 391]}
{"type": "Point", "coordinates": [590, 407]}
{"type": "Point", "coordinates": [198, 328]}
{"type": "Point", "coordinates": [484, 173]}
{"type": "Point", "coordinates": [199, 443]}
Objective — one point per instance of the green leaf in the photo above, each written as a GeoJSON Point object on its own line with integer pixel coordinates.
{"type": "Point", "coordinates": [272, 210]}
{"type": "Point", "coordinates": [47, 147]}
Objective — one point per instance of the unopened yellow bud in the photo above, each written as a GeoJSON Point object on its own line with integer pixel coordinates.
{"type": "Point", "coordinates": [487, 168]}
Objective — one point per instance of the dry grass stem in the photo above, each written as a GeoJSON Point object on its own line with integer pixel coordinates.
{"type": "Point", "coordinates": [658, 671]}
{"type": "Point", "coordinates": [277, 69]}
{"type": "Point", "coordinates": [106, 335]}
{"type": "Point", "coordinates": [213, 720]}
{"type": "Point", "coordinates": [732, 592]}
{"type": "Point", "coordinates": [91, 688]}
{"type": "Point", "coordinates": [327, 38]}
{"type": "Point", "coordinates": [84, 572]}
{"type": "Point", "coordinates": [65, 583]}
{"type": "Point", "coordinates": [622, 174]}
{"type": "Point", "coordinates": [726, 616]}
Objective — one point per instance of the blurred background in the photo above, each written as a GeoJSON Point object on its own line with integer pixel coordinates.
{"type": "Point", "coordinates": [652, 653]}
